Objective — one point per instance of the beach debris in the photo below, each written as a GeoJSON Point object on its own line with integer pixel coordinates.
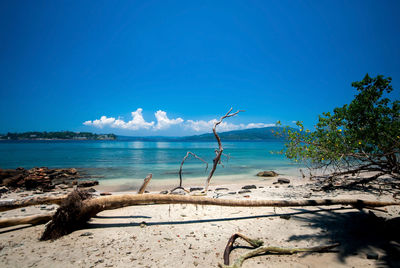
{"type": "Point", "coordinates": [259, 249]}
{"type": "Point", "coordinates": [244, 191]}
{"type": "Point", "coordinates": [88, 183]}
{"type": "Point", "coordinates": [164, 192]}
{"type": "Point", "coordinates": [283, 180]}
{"type": "Point", "coordinates": [180, 168]}
{"type": "Point", "coordinates": [221, 189]}
{"type": "Point", "coordinates": [79, 207]}
{"type": "Point", "coordinates": [86, 234]}
{"type": "Point", "coordinates": [247, 187]}
{"type": "Point", "coordinates": [178, 191]}
{"type": "Point", "coordinates": [285, 217]}
{"type": "Point", "coordinates": [33, 220]}
{"type": "Point", "coordinates": [105, 193]}
{"type": "Point", "coordinates": [219, 151]}
{"type": "Point", "coordinates": [192, 189]}
{"type": "Point", "coordinates": [372, 256]}
{"type": "Point", "coordinates": [232, 193]}
{"type": "Point", "coordinates": [145, 182]}
{"type": "Point", "coordinates": [267, 174]}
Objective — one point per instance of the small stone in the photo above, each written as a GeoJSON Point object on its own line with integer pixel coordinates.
{"type": "Point", "coordinates": [244, 191]}
{"type": "Point", "coordinates": [86, 234]}
{"type": "Point", "coordinates": [62, 186]}
{"type": "Point", "coordinates": [23, 209]}
{"type": "Point", "coordinates": [91, 190]}
{"type": "Point", "coordinates": [246, 196]}
{"type": "Point", "coordinates": [249, 187]}
{"type": "Point", "coordinates": [372, 256]}
{"type": "Point", "coordinates": [192, 189]}
{"type": "Point", "coordinates": [285, 217]}
{"type": "Point", "coordinates": [221, 189]}
{"type": "Point", "coordinates": [105, 193]}
{"type": "Point", "coordinates": [231, 192]}
{"type": "Point", "coordinates": [164, 192]}
{"type": "Point", "coordinates": [143, 224]}
{"type": "Point", "coordinates": [3, 189]}
{"type": "Point", "coordinates": [283, 180]}
{"type": "Point", "coordinates": [178, 192]}
{"type": "Point", "coordinates": [267, 174]}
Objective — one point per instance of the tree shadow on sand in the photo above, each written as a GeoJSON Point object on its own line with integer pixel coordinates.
{"type": "Point", "coordinates": [357, 232]}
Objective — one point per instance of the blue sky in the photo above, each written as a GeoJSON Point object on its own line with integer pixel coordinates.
{"type": "Point", "coordinates": [177, 65]}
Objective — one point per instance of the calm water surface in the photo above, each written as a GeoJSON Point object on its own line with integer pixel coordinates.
{"type": "Point", "coordinates": [135, 159]}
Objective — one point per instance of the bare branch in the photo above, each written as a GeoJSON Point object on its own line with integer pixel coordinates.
{"type": "Point", "coordinates": [145, 182]}
{"type": "Point", "coordinates": [218, 152]}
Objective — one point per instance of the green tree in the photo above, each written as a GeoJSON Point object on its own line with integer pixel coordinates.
{"type": "Point", "coordinates": [363, 136]}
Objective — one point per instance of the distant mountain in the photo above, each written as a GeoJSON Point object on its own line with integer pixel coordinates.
{"type": "Point", "coordinates": [252, 134]}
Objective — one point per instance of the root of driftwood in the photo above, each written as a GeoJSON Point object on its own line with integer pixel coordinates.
{"type": "Point", "coordinates": [260, 249]}
{"type": "Point", "coordinates": [145, 182]}
{"type": "Point", "coordinates": [14, 204]}
{"type": "Point", "coordinates": [78, 208]}
{"type": "Point", "coordinates": [69, 216]}
{"type": "Point", "coordinates": [33, 220]}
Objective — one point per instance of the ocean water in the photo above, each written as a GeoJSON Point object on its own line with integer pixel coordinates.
{"type": "Point", "coordinates": [118, 162]}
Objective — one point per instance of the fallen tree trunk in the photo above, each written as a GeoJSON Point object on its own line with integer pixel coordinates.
{"type": "Point", "coordinates": [47, 200]}
{"type": "Point", "coordinates": [35, 219]}
{"type": "Point", "coordinates": [79, 208]}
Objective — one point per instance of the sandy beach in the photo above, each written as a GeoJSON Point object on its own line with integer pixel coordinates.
{"type": "Point", "coordinates": [195, 236]}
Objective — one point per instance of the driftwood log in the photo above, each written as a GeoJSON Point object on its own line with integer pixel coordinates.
{"type": "Point", "coordinates": [33, 220]}
{"type": "Point", "coordinates": [260, 249]}
{"type": "Point", "coordinates": [46, 200]}
{"type": "Point", "coordinates": [79, 208]}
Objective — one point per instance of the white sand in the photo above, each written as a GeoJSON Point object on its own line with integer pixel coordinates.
{"type": "Point", "coordinates": [195, 236]}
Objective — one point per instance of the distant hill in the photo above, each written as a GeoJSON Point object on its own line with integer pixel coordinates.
{"type": "Point", "coordinates": [60, 135]}
{"type": "Point", "coordinates": [252, 134]}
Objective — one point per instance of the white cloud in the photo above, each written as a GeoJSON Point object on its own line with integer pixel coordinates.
{"type": "Point", "coordinates": [137, 122]}
{"type": "Point", "coordinates": [164, 122]}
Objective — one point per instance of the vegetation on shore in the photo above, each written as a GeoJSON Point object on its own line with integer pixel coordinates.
{"type": "Point", "coordinates": [59, 135]}
{"type": "Point", "coordinates": [359, 137]}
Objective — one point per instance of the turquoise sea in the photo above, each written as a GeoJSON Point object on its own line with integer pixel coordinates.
{"type": "Point", "coordinates": [117, 162]}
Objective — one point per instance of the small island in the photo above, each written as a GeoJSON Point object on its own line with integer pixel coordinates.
{"type": "Point", "coordinates": [58, 135]}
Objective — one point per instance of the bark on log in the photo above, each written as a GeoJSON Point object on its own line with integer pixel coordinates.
{"type": "Point", "coordinates": [145, 182]}
{"type": "Point", "coordinates": [48, 200]}
{"type": "Point", "coordinates": [35, 219]}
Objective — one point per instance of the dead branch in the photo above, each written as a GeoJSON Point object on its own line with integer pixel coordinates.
{"type": "Point", "coordinates": [180, 169]}
{"type": "Point", "coordinates": [229, 246]}
{"type": "Point", "coordinates": [218, 152]}
{"type": "Point", "coordinates": [34, 220]}
{"type": "Point", "coordinates": [78, 208]}
{"type": "Point", "coordinates": [276, 250]}
{"type": "Point", "coordinates": [145, 182]}
{"type": "Point", "coordinates": [33, 201]}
